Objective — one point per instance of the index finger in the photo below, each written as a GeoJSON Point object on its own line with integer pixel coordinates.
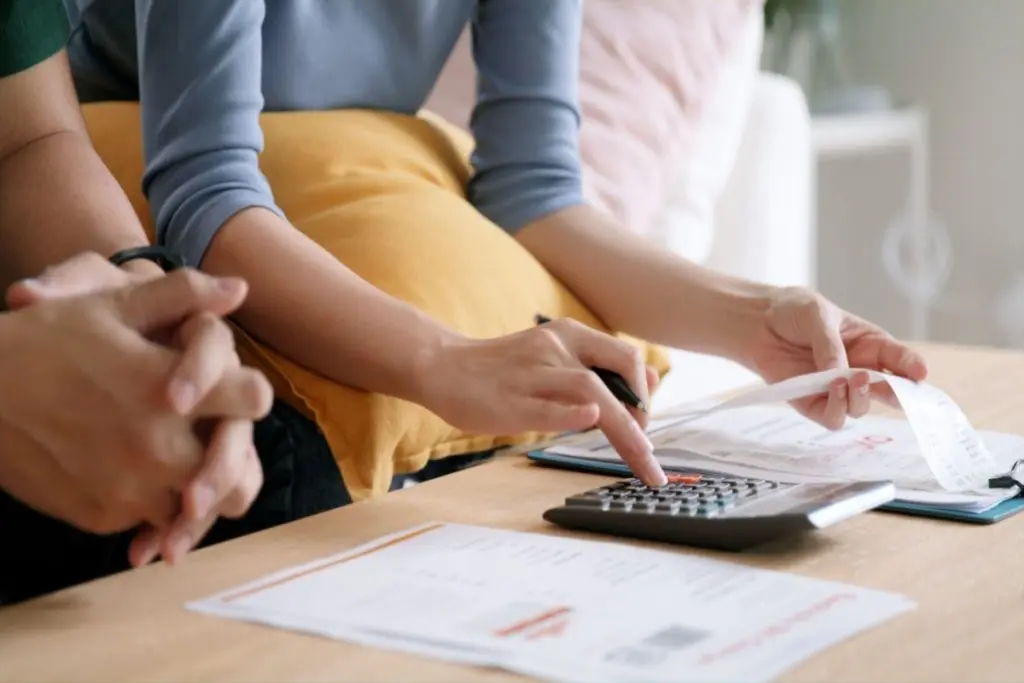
{"type": "Point", "coordinates": [242, 393]}
{"type": "Point", "coordinates": [626, 436]}
{"type": "Point", "coordinates": [604, 352]}
{"type": "Point", "coordinates": [85, 273]}
{"type": "Point", "coordinates": [900, 359]}
{"type": "Point", "coordinates": [208, 353]}
{"type": "Point", "coordinates": [229, 469]}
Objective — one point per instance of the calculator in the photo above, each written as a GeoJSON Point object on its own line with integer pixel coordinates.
{"type": "Point", "coordinates": [717, 512]}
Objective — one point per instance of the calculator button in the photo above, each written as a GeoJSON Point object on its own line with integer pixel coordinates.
{"type": "Point", "coordinates": [683, 478]}
{"type": "Point", "coordinates": [586, 499]}
{"type": "Point", "coordinates": [671, 507]}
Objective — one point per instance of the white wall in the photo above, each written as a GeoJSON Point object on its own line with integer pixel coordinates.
{"type": "Point", "coordinates": [964, 59]}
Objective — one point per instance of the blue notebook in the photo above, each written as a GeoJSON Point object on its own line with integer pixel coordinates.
{"type": "Point", "coordinates": [991, 516]}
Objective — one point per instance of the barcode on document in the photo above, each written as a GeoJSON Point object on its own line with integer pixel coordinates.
{"type": "Point", "coordinates": [654, 649]}
{"type": "Point", "coordinates": [675, 638]}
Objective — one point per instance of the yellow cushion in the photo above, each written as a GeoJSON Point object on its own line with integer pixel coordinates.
{"type": "Point", "coordinates": [384, 194]}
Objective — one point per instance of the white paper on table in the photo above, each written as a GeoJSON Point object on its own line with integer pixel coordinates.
{"type": "Point", "coordinates": [776, 442]}
{"type": "Point", "coordinates": [561, 609]}
{"type": "Point", "coordinates": [935, 449]}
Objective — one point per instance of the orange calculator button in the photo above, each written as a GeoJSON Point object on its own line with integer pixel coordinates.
{"type": "Point", "coordinates": [683, 478]}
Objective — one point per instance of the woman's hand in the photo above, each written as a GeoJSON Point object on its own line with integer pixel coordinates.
{"type": "Point", "coordinates": [538, 380]}
{"type": "Point", "coordinates": [803, 332]}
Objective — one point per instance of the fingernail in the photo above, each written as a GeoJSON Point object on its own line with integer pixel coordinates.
{"type": "Point", "coordinates": [640, 435]}
{"type": "Point", "coordinates": [35, 283]}
{"type": "Point", "coordinates": [230, 284]}
{"type": "Point", "coordinates": [653, 475]}
{"type": "Point", "coordinates": [841, 392]}
{"type": "Point", "coordinates": [178, 546]}
{"type": "Point", "coordinates": [183, 395]}
{"type": "Point", "coordinates": [657, 478]}
{"type": "Point", "coordinates": [202, 501]}
{"type": "Point", "coordinates": [150, 554]}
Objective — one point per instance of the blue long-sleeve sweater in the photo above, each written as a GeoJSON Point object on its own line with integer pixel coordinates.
{"type": "Point", "coordinates": [205, 69]}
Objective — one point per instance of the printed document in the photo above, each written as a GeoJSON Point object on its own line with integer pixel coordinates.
{"type": "Point", "coordinates": [561, 609]}
{"type": "Point", "coordinates": [934, 456]}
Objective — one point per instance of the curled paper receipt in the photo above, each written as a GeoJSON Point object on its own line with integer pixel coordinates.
{"type": "Point", "coordinates": [950, 446]}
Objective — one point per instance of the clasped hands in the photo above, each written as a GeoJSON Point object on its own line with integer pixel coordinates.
{"type": "Point", "coordinates": [129, 408]}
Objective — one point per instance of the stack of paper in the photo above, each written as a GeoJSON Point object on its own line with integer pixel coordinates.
{"type": "Point", "coordinates": [934, 456]}
{"type": "Point", "coordinates": [775, 442]}
{"type": "Point", "coordinates": [561, 609]}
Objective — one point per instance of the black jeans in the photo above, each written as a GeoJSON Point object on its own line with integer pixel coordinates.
{"type": "Point", "coordinates": [39, 554]}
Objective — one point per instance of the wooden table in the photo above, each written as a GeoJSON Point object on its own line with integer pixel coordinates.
{"type": "Point", "coordinates": [966, 579]}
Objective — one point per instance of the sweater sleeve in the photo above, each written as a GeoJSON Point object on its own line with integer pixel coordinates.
{"type": "Point", "coordinates": [200, 75]}
{"type": "Point", "coordinates": [526, 119]}
{"type": "Point", "coordinates": [31, 31]}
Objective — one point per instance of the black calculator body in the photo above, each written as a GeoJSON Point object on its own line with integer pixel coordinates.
{"type": "Point", "coordinates": [717, 512]}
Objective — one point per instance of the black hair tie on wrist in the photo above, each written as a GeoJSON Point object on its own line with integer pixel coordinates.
{"type": "Point", "coordinates": [167, 260]}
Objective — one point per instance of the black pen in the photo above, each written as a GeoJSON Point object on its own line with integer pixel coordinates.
{"type": "Point", "coordinates": [613, 380]}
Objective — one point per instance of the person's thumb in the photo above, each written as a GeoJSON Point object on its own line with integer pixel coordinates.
{"type": "Point", "coordinates": [826, 342]}
{"type": "Point", "coordinates": [166, 301]}
{"type": "Point", "coordinates": [27, 292]}
{"type": "Point", "coordinates": [24, 293]}
{"type": "Point", "coordinates": [82, 274]}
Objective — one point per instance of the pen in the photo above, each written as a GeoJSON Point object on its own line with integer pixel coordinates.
{"type": "Point", "coordinates": [613, 380]}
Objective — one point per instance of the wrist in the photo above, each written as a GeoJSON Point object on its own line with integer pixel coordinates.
{"type": "Point", "coordinates": [428, 361]}
{"type": "Point", "coordinates": [743, 312]}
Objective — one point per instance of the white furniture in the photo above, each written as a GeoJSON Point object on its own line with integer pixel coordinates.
{"type": "Point", "coordinates": [763, 225]}
{"type": "Point", "coordinates": [915, 249]}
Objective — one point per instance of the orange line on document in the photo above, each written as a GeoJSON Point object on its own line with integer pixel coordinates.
{"type": "Point", "coordinates": [552, 630]}
{"type": "Point", "coordinates": [526, 624]}
{"type": "Point", "coordinates": [312, 570]}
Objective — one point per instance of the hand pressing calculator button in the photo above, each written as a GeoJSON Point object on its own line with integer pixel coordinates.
{"type": "Point", "coordinates": [719, 512]}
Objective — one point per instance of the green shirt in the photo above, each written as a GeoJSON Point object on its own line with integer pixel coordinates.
{"type": "Point", "coordinates": [31, 31]}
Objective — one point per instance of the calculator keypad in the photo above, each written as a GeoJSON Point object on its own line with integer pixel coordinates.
{"type": "Point", "coordinates": [691, 495]}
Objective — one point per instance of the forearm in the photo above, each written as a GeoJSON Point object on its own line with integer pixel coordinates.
{"type": "Point", "coordinates": [308, 306]}
{"type": "Point", "coordinates": [637, 288]}
{"type": "Point", "coordinates": [59, 200]}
